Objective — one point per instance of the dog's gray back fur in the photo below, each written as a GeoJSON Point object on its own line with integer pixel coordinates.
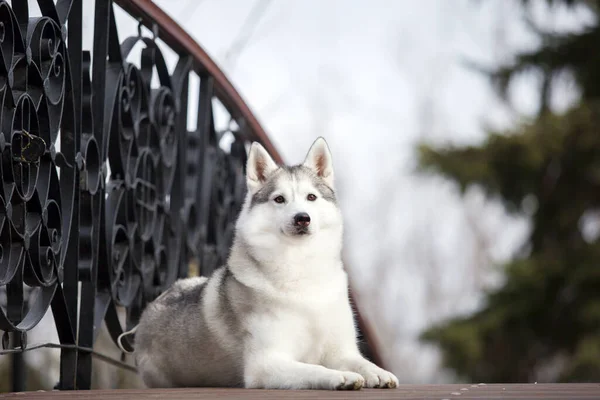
{"type": "Point", "coordinates": [187, 352]}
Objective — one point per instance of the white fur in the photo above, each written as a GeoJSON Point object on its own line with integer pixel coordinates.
{"type": "Point", "coordinates": [284, 320]}
{"type": "Point", "coordinates": [262, 165]}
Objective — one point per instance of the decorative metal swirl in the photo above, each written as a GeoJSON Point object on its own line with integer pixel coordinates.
{"type": "Point", "coordinates": [36, 206]}
{"type": "Point", "coordinates": [102, 184]}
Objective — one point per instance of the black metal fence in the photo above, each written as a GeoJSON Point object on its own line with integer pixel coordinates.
{"type": "Point", "coordinates": [105, 195]}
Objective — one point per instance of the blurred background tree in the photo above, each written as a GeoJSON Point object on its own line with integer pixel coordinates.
{"type": "Point", "coordinates": [543, 322]}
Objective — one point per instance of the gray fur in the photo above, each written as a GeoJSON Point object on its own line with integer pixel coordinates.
{"type": "Point", "coordinates": [185, 297]}
{"type": "Point", "coordinates": [229, 285]}
{"type": "Point", "coordinates": [177, 316]}
{"type": "Point", "coordinates": [325, 191]}
{"type": "Point", "coordinates": [264, 194]}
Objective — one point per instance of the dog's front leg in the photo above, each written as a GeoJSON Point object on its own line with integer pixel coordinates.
{"type": "Point", "coordinates": [277, 371]}
{"type": "Point", "coordinates": [342, 353]}
{"type": "Point", "coordinates": [341, 350]}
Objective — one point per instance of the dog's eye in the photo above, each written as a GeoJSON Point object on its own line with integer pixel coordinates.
{"type": "Point", "coordinates": [279, 199]}
{"type": "Point", "coordinates": [311, 197]}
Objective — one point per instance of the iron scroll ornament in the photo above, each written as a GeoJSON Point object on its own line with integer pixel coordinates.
{"type": "Point", "coordinates": [103, 186]}
{"type": "Point", "coordinates": [37, 141]}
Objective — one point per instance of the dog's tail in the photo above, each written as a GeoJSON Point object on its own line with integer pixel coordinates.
{"type": "Point", "coordinates": [122, 335]}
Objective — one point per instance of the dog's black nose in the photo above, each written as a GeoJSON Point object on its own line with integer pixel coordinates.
{"type": "Point", "coordinates": [302, 219]}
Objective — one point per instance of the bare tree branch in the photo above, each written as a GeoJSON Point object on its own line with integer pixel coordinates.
{"type": "Point", "coordinates": [189, 10]}
{"type": "Point", "coordinates": [246, 32]}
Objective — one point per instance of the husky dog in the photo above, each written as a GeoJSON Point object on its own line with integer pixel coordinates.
{"type": "Point", "coordinates": [277, 315]}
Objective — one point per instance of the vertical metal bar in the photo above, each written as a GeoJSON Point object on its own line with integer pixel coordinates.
{"type": "Point", "coordinates": [14, 310]}
{"type": "Point", "coordinates": [76, 67]}
{"type": "Point", "coordinates": [85, 335]}
{"type": "Point", "coordinates": [88, 287]}
{"type": "Point", "coordinates": [18, 365]}
{"type": "Point", "coordinates": [65, 328]}
{"type": "Point", "coordinates": [18, 373]}
{"type": "Point", "coordinates": [179, 182]}
{"type": "Point", "coordinates": [205, 115]}
{"type": "Point", "coordinates": [64, 305]}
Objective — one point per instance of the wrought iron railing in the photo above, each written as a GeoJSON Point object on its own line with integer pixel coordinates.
{"type": "Point", "coordinates": [106, 196]}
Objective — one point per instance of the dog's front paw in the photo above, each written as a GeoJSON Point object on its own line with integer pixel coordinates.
{"type": "Point", "coordinates": [349, 381]}
{"type": "Point", "coordinates": [376, 377]}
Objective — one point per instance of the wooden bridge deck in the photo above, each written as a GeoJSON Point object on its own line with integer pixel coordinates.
{"type": "Point", "coordinates": [405, 392]}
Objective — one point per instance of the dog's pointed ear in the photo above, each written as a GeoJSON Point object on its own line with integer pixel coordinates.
{"type": "Point", "coordinates": [259, 166]}
{"type": "Point", "coordinates": [319, 160]}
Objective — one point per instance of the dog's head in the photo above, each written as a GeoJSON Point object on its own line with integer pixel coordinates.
{"type": "Point", "coordinates": [296, 202]}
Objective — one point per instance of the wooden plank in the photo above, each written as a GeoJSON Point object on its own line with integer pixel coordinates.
{"type": "Point", "coordinates": [586, 391]}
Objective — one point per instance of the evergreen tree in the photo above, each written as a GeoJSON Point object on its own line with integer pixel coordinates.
{"type": "Point", "coordinates": [547, 313]}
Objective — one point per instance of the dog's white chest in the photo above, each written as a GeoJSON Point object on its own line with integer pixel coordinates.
{"type": "Point", "coordinates": [306, 328]}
